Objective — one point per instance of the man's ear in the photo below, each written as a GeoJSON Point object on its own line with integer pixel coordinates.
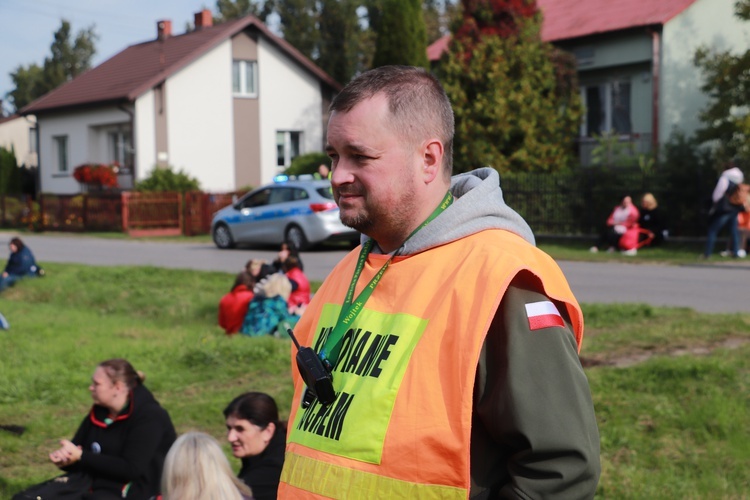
{"type": "Point", "coordinates": [432, 160]}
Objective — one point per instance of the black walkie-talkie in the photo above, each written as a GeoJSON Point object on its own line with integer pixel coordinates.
{"type": "Point", "coordinates": [318, 379]}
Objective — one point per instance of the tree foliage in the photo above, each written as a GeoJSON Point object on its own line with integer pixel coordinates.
{"type": "Point", "coordinates": [167, 179]}
{"type": "Point", "coordinates": [439, 16]}
{"type": "Point", "coordinates": [401, 34]}
{"type": "Point", "coordinates": [726, 81]}
{"type": "Point", "coordinates": [299, 24]}
{"type": "Point", "coordinates": [341, 38]}
{"type": "Point", "coordinates": [10, 172]}
{"type": "Point", "coordinates": [340, 35]}
{"type": "Point", "coordinates": [69, 58]}
{"type": "Point", "coordinates": [235, 9]}
{"type": "Point", "coordinates": [514, 96]}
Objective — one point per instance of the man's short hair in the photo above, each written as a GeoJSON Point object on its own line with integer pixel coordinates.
{"type": "Point", "coordinates": [416, 100]}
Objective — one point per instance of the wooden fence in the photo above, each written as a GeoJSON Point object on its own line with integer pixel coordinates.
{"type": "Point", "coordinates": [138, 214]}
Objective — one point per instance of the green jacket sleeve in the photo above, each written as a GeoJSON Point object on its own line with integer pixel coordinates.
{"type": "Point", "coordinates": [534, 433]}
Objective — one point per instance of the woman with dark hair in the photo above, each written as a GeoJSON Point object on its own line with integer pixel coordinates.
{"type": "Point", "coordinates": [21, 263]}
{"type": "Point", "coordinates": [123, 440]}
{"type": "Point", "coordinates": [258, 438]}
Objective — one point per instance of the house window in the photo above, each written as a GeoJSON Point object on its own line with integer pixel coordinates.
{"type": "Point", "coordinates": [287, 148]}
{"type": "Point", "coordinates": [607, 108]}
{"type": "Point", "coordinates": [32, 140]}
{"type": "Point", "coordinates": [61, 151]}
{"type": "Point", "coordinates": [245, 78]}
{"type": "Point", "coordinates": [120, 144]}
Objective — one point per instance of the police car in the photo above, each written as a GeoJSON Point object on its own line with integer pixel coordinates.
{"type": "Point", "coordinates": [301, 212]}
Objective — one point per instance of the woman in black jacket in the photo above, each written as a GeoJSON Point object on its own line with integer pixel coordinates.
{"type": "Point", "coordinates": [123, 440]}
{"type": "Point", "coordinates": [258, 438]}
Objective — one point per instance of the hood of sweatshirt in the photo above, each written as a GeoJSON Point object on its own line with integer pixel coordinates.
{"type": "Point", "coordinates": [478, 205]}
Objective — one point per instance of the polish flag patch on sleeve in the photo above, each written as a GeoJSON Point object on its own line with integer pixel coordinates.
{"type": "Point", "coordinates": [543, 314]}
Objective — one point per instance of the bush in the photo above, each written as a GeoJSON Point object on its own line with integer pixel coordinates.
{"type": "Point", "coordinates": [10, 172]}
{"type": "Point", "coordinates": [308, 163]}
{"type": "Point", "coordinates": [166, 179]}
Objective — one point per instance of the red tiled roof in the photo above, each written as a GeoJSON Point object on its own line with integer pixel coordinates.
{"type": "Point", "coordinates": [566, 19]}
{"type": "Point", "coordinates": [436, 48]}
{"type": "Point", "coordinates": [130, 73]}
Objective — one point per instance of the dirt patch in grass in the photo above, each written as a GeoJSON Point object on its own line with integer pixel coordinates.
{"type": "Point", "coordinates": [634, 358]}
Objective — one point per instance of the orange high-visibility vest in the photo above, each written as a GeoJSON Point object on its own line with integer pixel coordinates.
{"type": "Point", "coordinates": [401, 424]}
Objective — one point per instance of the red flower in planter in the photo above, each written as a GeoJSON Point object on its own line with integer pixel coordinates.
{"type": "Point", "coordinates": [96, 175]}
{"type": "Point", "coordinates": [83, 174]}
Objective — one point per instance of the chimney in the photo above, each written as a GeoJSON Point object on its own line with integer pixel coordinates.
{"type": "Point", "coordinates": [203, 19]}
{"type": "Point", "coordinates": [163, 29]}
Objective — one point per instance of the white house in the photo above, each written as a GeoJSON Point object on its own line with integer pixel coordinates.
{"type": "Point", "coordinates": [230, 104]}
{"type": "Point", "coordinates": [18, 134]}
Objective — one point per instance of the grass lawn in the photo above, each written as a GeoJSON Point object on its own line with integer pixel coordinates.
{"type": "Point", "coordinates": [673, 418]}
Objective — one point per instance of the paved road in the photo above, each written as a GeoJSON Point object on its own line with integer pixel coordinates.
{"type": "Point", "coordinates": [707, 288]}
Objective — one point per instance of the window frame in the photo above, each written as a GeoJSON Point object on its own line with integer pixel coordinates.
{"type": "Point", "coordinates": [240, 72]}
{"type": "Point", "coordinates": [62, 154]}
{"type": "Point", "coordinates": [291, 138]}
{"type": "Point", "coordinates": [608, 106]}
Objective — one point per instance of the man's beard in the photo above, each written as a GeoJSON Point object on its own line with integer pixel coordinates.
{"type": "Point", "coordinates": [361, 222]}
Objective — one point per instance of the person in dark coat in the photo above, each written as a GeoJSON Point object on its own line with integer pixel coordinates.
{"type": "Point", "coordinates": [123, 440]}
{"type": "Point", "coordinates": [652, 219]}
{"type": "Point", "coordinates": [258, 438]}
{"type": "Point", "coordinates": [21, 263]}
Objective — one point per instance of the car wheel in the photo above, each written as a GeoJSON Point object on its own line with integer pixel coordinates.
{"type": "Point", "coordinates": [296, 236]}
{"type": "Point", "coordinates": [222, 236]}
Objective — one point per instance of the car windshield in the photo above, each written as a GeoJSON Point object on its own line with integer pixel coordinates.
{"type": "Point", "coordinates": [325, 192]}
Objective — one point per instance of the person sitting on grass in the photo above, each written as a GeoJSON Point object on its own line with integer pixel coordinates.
{"type": "Point", "coordinates": [258, 438]}
{"type": "Point", "coordinates": [287, 250]}
{"type": "Point", "coordinates": [623, 217]}
{"type": "Point", "coordinates": [233, 306]}
{"type": "Point", "coordinates": [21, 264]}
{"type": "Point", "coordinates": [197, 469]}
{"type": "Point", "coordinates": [268, 312]}
{"type": "Point", "coordinates": [124, 438]}
{"type": "Point", "coordinates": [259, 269]}
{"type": "Point", "coordinates": [300, 295]}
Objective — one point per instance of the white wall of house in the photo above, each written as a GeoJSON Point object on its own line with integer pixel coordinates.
{"type": "Point", "coordinates": [85, 144]}
{"type": "Point", "coordinates": [290, 100]}
{"type": "Point", "coordinates": [705, 23]}
{"type": "Point", "coordinates": [199, 117]}
{"type": "Point", "coordinates": [15, 135]}
{"type": "Point", "coordinates": [144, 135]}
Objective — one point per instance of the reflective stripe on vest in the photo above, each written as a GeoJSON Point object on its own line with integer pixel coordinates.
{"type": "Point", "coordinates": [405, 375]}
{"type": "Point", "coordinates": [329, 478]}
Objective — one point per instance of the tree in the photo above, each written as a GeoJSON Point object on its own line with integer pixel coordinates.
{"type": "Point", "coordinates": [726, 81]}
{"type": "Point", "coordinates": [401, 34]}
{"type": "Point", "coordinates": [235, 9]}
{"type": "Point", "coordinates": [340, 39]}
{"type": "Point", "coordinates": [68, 60]}
{"type": "Point", "coordinates": [299, 25]}
{"type": "Point", "coordinates": [439, 15]}
{"type": "Point", "coordinates": [515, 98]}
{"type": "Point", "coordinates": [10, 172]}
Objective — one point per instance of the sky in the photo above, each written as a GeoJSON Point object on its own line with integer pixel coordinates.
{"type": "Point", "coordinates": [28, 27]}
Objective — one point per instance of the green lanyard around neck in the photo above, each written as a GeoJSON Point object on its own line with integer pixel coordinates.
{"type": "Point", "coordinates": [351, 308]}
